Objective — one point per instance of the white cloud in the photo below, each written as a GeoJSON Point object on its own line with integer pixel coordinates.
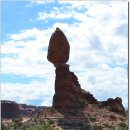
{"type": "Point", "coordinates": [24, 93]}
{"type": "Point", "coordinates": [32, 53]}
{"type": "Point", "coordinates": [39, 2]}
{"type": "Point", "coordinates": [30, 33]}
{"type": "Point", "coordinates": [55, 14]}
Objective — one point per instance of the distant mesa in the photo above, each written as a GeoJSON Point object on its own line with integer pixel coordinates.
{"type": "Point", "coordinates": [9, 109]}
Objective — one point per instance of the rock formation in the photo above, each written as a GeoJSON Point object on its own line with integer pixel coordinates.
{"type": "Point", "coordinates": [114, 104]}
{"type": "Point", "coordinates": [9, 109]}
{"type": "Point", "coordinates": [68, 93]}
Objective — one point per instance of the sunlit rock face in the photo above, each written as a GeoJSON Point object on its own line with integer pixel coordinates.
{"type": "Point", "coordinates": [58, 50]}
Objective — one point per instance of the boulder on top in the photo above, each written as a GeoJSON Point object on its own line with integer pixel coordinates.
{"type": "Point", "coordinates": [58, 50]}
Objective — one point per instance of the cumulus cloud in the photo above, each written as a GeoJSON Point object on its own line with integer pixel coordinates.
{"type": "Point", "coordinates": [39, 2]}
{"type": "Point", "coordinates": [105, 82]}
{"type": "Point", "coordinates": [98, 52]}
{"type": "Point", "coordinates": [31, 53]}
{"type": "Point", "coordinates": [24, 93]}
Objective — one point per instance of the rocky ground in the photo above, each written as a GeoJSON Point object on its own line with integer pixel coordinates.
{"type": "Point", "coordinates": [92, 117]}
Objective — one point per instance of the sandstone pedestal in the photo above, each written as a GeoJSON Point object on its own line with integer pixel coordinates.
{"type": "Point", "coordinates": [68, 93]}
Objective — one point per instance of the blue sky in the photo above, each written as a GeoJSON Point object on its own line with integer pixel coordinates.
{"type": "Point", "coordinates": [97, 33]}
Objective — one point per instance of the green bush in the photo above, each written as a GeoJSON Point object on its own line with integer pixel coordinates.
{"type": "Point", "coordinates": [3, 127]}
{"type": "Point", "coordinates": [109, 126]}
{"type": "Point", "coordinates": [122, 126]}
{"type": "Point", "coordinates": [88, 127]}
{"type": "Point", "coordinates": [109, 108]}
{"type": "Point", "coordinates": [40, 127]}
{"type": "Point", "coordinates": [95, 127]}
{"type": "Point", "coordinates": [51, 122]}
{"type": "Point", "coordinates": [92, 118]}
{"type": "Point", "coordinates": [17, 122]}
{"type": "Point", "coordinates": [98, 105]}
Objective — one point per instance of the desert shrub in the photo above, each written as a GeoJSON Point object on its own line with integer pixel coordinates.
{"type": "Point", "coordinates": [80, 124]}
{"type": "Point", "coordinates": [10, 126]}
{"type": "Point", "coordinates": [26, 125]}
{"type": "Point", "coordinates": [17, 119]}
{"type": "Point", "coordinates": [95, 127]}
{"type": "Point", "coordinates": [40, 127]}
{"type": "Point", "coordinates": [122, 126]}
{"type": "Point", "coordinates": [88, 127]}
{"type": "Point", "coordinates": [92, 118]}
{"type": "Point", "coordinates": [3, 127]}
{"type": "Point", "coordinates": [125, 115]}
{"type": "Point", "coordinates": [104, 115]}
{"type": "Point", "coordinates": [109, 126]}
{"type": "Point", "coordinates": [17, 122]}
{"type": "Point", "coordinates": [56, 129]}
{"type": "Point", "coordinates": [121, 118]}
{"type": "Point", "coordinates": [51, 122]}
{"type": "Point", "coordinates": [109, 108]}
{"type": "Point", "coordinates": [53, 110]}
{"type": "Point", "coordinates": [98, 105]}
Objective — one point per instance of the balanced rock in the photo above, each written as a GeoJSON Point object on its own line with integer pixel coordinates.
{"type": "Point", "coordinates": [58, 50]}
{"type": "Point", "coordinates": [68, 93]}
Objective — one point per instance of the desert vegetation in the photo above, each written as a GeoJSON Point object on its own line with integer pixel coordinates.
{"type": "Point", "coordinates": [96, 118]}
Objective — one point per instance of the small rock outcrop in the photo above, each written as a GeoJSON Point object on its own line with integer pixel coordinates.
{"type": "Point", "coordinates": [9, 109]}
{"type": "Point", "coordinates": [115, 105]}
